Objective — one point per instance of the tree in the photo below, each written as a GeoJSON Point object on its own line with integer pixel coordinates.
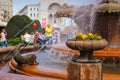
{"type": "Point", "coordinates": [20, 24]}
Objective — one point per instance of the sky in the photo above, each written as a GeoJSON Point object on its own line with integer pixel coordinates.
{"type": "Point", "coordinates": [19, 4]}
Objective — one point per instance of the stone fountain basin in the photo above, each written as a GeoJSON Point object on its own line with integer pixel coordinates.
{"type": "Point", "coordinates": [43, 69]}
{"type": "Point", "coordinates": [87, 44]}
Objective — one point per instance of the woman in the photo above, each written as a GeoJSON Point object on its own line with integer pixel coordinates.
{"type": "Point", "coordinates": [49, 33]}
{"type": "Point", "coordinates": [3, 38]}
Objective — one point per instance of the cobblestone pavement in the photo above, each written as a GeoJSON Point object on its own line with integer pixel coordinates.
{"type": "Point", "coordinates": [10, 76]}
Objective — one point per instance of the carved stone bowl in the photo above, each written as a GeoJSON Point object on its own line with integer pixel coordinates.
{"type": "Point", "coordinates": [86, 48]}
{"type": "Point", "coordinates": [87, 44]}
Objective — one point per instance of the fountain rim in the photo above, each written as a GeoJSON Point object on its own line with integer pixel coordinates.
{"type": "Point", "coordinates": [38, 71]}
{"type": "Point", "coordinates": [86, 45]}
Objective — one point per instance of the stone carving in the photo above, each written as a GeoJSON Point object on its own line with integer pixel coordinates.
{"type": "Point", "coordinates": [28, 59]}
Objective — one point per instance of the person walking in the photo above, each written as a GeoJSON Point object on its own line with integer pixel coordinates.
{"type": "Point", "coordinates": [3, 38]}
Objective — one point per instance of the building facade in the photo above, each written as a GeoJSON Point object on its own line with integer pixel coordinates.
{"type": "Point", "coordinates": [32, 11]}
{"type": "Point", "coordinates": [1, 15]}
{"type": "Point", "coordinates": [48, 9]}
{"type": "Point", "coordinates": [6, 11]}
{"type": "Point", "coordinates": [45, 12]}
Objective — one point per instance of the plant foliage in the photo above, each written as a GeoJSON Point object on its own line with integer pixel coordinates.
{"type": "Point", "coordinates": [15, 41]}
{"type": "Point", "coordinates": [17, 23]}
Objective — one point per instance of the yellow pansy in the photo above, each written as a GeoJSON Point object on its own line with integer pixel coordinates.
{"type": "Point", "coordinates": [84, 37]}
{"type": "Point", "coordinates": [89, 36]}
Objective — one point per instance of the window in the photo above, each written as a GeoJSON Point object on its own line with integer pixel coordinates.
{"type": "Point", "coordinates": [34, 14]}
{"type": "Point", "coordinates": [37, 9]}
{"type": "Point", "coordinates": [30, 14]}
{"type": "Point", "coordinates": [37, 14]}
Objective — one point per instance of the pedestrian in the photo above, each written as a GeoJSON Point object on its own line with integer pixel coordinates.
{"type": "Point", "coordinates": [36, 37]}
{"type": "Point", "coordinates": [55, 36]}
{"type": "Point", "coordinates": [32, 37]}
{"type": "Point", "coordinates": [3, 38]}
{"type": "Point", "coordinates": [49, 33]}
{"type": "Point", "coordinates": [43, 37]}
{"type": "Point", "coordinates": [26, 38]}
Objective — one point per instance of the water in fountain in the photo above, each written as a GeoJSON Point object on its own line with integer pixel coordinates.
{"type": "Point", "coordinates": [82, 18]}
{"type": "Point", "coordinates": [52, 59]}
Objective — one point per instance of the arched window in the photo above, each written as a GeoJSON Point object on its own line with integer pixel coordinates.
{"type": "Point", "coordinates": [52, 9]}
{"type": "Point", "coordinates": [54, 6]}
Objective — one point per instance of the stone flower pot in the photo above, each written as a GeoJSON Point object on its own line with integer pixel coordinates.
{"type": "Point", "coordinates": [86, 48]}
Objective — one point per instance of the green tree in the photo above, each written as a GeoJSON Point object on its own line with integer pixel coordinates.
{"type": "Point", "coordinates": [20, 24]}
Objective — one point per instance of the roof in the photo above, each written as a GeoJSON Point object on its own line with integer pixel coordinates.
{"type": "Point", "coordinates": [27, 6]}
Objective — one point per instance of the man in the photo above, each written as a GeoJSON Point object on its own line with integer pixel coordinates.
{"type": "Point", "coordinates": [26, 38]}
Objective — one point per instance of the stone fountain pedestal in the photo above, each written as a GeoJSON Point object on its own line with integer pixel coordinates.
{"type": "Point", "coordinates": [85, 66]}
{"type": "Point", "coordinates": [84, 71]}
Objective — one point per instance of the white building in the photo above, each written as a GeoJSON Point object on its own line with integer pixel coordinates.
{"type": "Point", "coordinates": [32, 11]}
{"type": "Point", "coordinates": [45, 12]}
{"type": "Point", "coordinates": [48, 8]}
